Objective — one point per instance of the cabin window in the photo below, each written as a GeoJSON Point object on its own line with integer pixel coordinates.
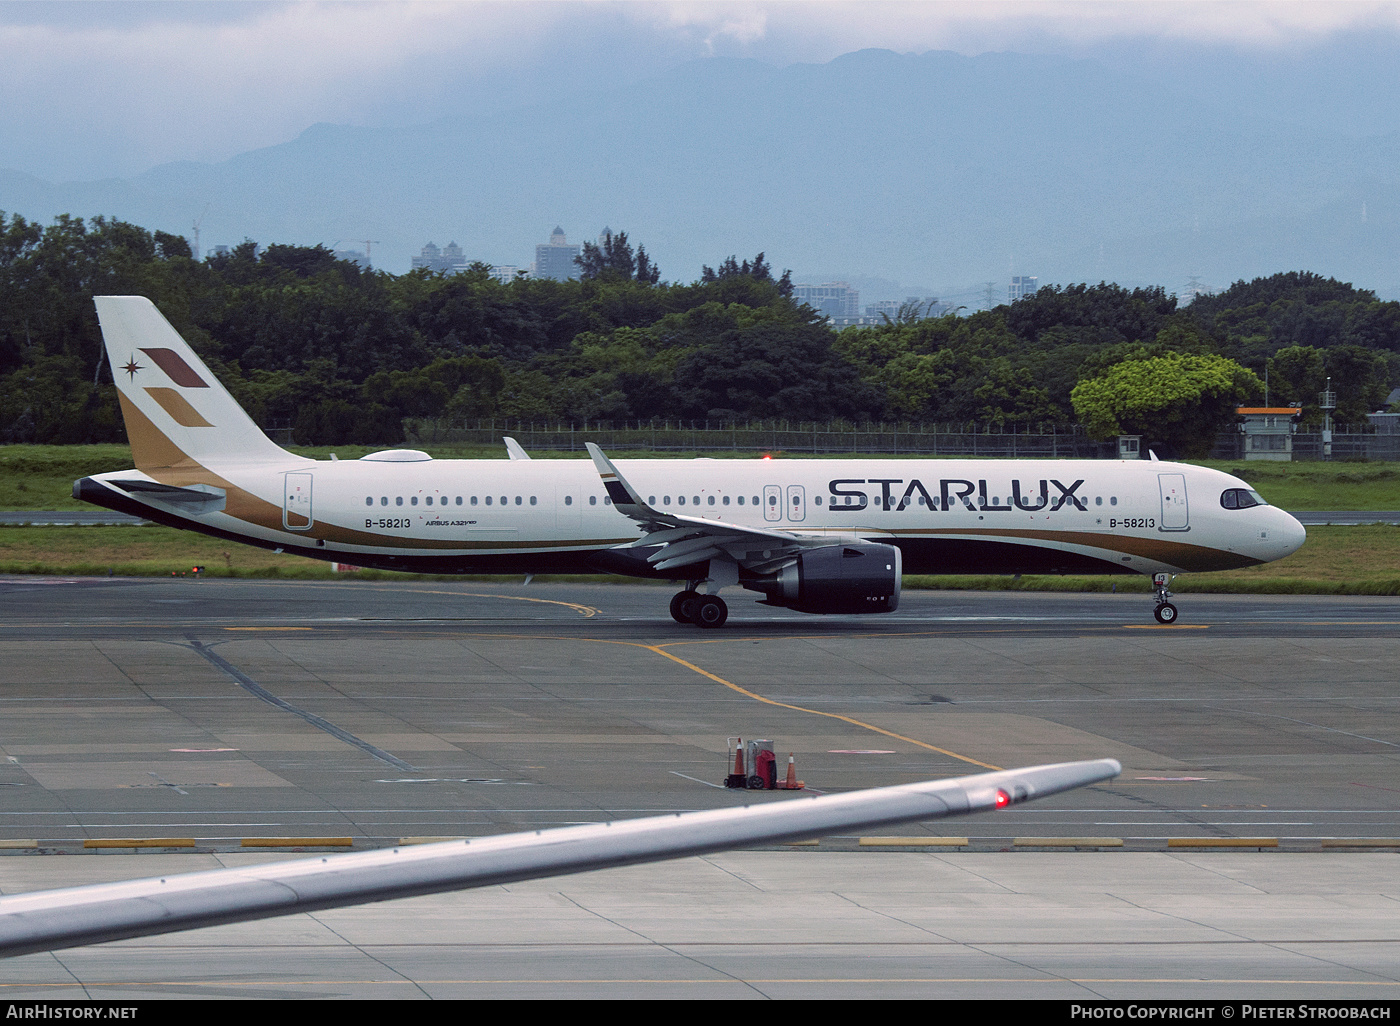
{"type": "Point", "coordinates": [755, 500]}
{"type": "Point", "coordinates": [568, 500]}
{"type": "Point", "coordinates": [1113, 500]}
{"type": "Point", "coordinates": [532, 501]}
{"type": "Point", "coordinates": [459, 500]}
{"type": "Point", "coordinates": [712, 500]}
{"type": "Point", "coordinates": [473, 500]}
{"type": "Point", "coordinates": [384, 500]}
{"type": "Point", "coordinates": [488, 500]}
{"type": "Point", "coordinates": [369, 500]}
{"type": "Point", "coordinates": [1098, 500]}
{"type": "Point", "coordinates": [772, 500]}
{"type": "Point", "coordinates": [680, 499]}
{"type": "Point", "coordinates": [818, 500]}
{"type": "Point", "coordinates": [726, 500]}
{"type": "Point", "coordinates": [665, 500]}
{"type": "Point", "coordinates": [519, 501]}
{"type": "Point", "coordinates": [593, 500]}
{"type": "Point", "coordinates": [429, 500]}
{"type": "Point", "coordinates": [398, 500]}
{"type": "Point", "coordinates": [607, 501]}
{"type": "Point", "coordinates": [413, 501]}
{"type": "Point", "coordinates": [741, 500]}
{"type": "Point", "coordinates": [505, 500]}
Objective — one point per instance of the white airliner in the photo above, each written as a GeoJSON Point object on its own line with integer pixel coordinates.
{"type": "Point", "coordinates": [47, 920]}
{"type": "Point", "coordinates": [818, 536]}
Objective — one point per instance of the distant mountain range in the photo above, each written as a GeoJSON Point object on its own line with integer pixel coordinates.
{"type": "Point", "coordinates": [933, 168]}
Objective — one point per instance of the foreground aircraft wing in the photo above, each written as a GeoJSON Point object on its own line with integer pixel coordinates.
{"type": "Point", "coordinates": [47, 920]}
{"type": "Point", "coordinates": [686, 540]}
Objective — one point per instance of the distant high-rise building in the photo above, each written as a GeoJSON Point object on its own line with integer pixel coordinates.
{"type": "Point", "coordinates": [505, 273]}
{"type": "Point", "coordinates": [354, 256]}
{"type": "Point", "coordinates": [449, 259]}
{"type": "Point", "coordinates": [835, 299]}
{"type": "Point", "coordinates": [555, 258]}
{"type": "Point", "coordinates": [1021, 287]}
{"type": "Point", "coordinates": [927, 306]}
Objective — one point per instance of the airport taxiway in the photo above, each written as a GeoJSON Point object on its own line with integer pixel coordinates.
{"type": "Point", "coordinates": [217, 710]}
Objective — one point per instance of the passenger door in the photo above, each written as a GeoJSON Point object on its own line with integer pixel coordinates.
{"type": "Point", "coordinates": [1176, 515]}
{"type": "Point", "coordinates": [296, 503]}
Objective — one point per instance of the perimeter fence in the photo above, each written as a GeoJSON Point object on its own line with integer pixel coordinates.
{"type": "Point", "coordinates": [775, 436]}
{"type": "Point", "coordinates": [840, 437]}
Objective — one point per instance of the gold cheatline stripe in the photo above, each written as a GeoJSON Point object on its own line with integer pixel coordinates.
{"type": "Point", "coordinates": [815, 712]}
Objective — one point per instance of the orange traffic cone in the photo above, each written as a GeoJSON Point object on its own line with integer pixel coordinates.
{"type": "Point", "coordinates": [736, 778]}
{"type": "Point", "coordinates": [791, 783]}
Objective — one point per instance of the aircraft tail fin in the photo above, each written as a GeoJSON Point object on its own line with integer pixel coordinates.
{"type": "Point", "coordinates": [176, 412]}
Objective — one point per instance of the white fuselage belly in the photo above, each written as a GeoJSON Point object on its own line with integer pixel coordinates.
{"type": "Point", "coordinates": [1000, 516]}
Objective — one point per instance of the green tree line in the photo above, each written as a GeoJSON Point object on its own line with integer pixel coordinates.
{"type": "Point", "coordinates": [342, 354]}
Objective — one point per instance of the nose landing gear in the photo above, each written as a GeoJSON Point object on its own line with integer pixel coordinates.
{"type": "Point", "coordinates": [1165, 612]}
{"type": "Point", "coordinates": [689, 606]}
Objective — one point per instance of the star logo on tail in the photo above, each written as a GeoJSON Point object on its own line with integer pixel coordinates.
{"type": "Point", "coordinates": [132, 367]}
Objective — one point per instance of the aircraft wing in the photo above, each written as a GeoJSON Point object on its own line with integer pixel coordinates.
{"type": "Point", "coordinates": [685, 540]}
{"type": "Point", "coordinates": [48, 920]}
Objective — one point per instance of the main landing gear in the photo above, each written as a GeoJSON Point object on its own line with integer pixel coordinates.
{"type": "Point", "coordinates": [1165, 611]}
{"type": "Point", "coordinates": [690, 606]}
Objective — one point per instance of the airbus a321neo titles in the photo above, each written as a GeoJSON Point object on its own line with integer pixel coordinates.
{"type": "Point", "coordinates": [818, 536]}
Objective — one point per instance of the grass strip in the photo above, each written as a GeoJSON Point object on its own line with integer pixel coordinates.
{"type": "Point", "coordinates": [1335, 561]}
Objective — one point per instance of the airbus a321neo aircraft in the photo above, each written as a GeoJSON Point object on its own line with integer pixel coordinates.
{"type": "Point", "coordinates": [818, 536]}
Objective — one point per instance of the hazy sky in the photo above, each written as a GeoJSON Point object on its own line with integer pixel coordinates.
{"type": "Point", "coordinates": [99, 89]}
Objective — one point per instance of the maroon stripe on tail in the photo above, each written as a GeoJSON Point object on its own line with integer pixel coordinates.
{"type": "Point", "coordinates": [177, 369]}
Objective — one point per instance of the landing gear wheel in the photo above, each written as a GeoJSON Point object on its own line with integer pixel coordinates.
{"type": "Point", "coordinates": [1165, 613]}
{"type": "Point", "coordinates": [683, 606]}
{"type": "Point", "coordinates": [711, 612]}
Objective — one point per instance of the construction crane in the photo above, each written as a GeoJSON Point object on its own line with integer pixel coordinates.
{"type": "Point", "coordinates": [197, 222]}
{"type": "Point", "coordinates": [369, 263]}
{"type": "Point", "coordinates": [367, 243]}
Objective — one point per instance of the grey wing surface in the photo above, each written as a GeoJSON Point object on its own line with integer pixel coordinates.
{"type": "Point", "coordinates": [47, 920]}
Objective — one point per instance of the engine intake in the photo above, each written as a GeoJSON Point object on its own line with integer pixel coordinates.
{"type": "Point", "coordinates": [860, 578]}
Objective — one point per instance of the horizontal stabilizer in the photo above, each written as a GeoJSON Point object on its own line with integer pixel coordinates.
{"type": "Point", "coordinates": [195, 499]}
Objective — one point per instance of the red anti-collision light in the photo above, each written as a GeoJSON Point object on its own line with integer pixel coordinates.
{"type": "Point", "coordinates": [1003, 799]}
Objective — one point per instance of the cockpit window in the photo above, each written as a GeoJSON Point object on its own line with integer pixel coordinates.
{"type": "Point", "coordinates": [1241, 498]}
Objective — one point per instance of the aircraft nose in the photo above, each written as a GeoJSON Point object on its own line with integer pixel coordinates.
{"type": "Point", "coordinates": [1286, 533]}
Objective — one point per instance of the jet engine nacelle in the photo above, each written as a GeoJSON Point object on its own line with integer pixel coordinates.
{"type": "Point", "coordinates": [860, 578]}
